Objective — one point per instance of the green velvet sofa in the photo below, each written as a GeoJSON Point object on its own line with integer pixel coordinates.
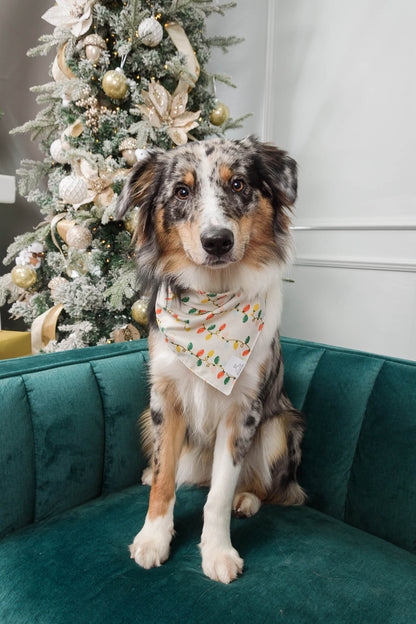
{"type": "Point", "coordinates": [71, 502]}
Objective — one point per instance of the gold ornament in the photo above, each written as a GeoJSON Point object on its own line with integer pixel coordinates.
{"type": "Point", "coordinates": [139, 311]}
{"type": "Point", "coordinates": [24, 276]}
{"type": "Point", "coordinates": [126, 333]}
{"type": "Point", "coordinates": [115, 84]}
{"type": "Point", "coordinates": [220, 114]}
{"type": "Point", "coordinates": [131, 220]}
{"type": "Point", "coordinates": [150, 32]}
{"type": "Point", "coordinates": [94, 46]}
{"type": "Point", "coordinates": [127, 149]}
{"type": "Point", "coordinates": [78, 237]}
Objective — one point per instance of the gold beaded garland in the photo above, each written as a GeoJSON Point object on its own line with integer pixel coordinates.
{"type": "Point", "coordinates": [24, 276]}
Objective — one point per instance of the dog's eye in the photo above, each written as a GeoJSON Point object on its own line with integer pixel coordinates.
{"type": "Point", "coordinates": [238, 185]}
{"type": "Point", "coordinates": [181, 192]}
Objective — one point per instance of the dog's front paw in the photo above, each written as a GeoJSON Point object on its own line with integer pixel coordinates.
{"type": "Point", "coordinates": [221, 564]}
{"type": "Point", "coordinates": [149, 551]}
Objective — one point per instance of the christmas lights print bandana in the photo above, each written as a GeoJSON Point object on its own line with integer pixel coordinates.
{"type": "Point", "coordinates": [212, 334]}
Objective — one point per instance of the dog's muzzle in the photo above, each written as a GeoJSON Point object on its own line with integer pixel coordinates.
{"type": "Point", "coordinates": [218, 242]}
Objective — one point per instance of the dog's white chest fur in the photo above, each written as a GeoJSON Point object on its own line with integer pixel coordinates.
{"type": "Point", "coordinates": [203, 406]}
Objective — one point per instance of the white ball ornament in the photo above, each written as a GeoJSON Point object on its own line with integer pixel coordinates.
{"type": "Point", "coordinates": [141, 154]}
{"type": "Point", "coordinates": [79, 237]}
{"type": "Point", "coordinates": [73, 189]}
{"type": "Point", "coordinates": [58, 152]}
{"type": "Point", "coordinates": [150, 32]}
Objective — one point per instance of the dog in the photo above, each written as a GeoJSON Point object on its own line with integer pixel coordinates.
{"type": "Point", "coordinates": [213, 239]}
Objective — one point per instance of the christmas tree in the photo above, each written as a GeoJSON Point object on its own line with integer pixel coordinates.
{"type": "Point", "coordinates": [126, 76]}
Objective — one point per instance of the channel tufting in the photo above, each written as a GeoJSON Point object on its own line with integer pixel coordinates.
{"type": "Point", "coordinates": [68, 429]}
{"type": "Point", "coordinates": [69, 433]}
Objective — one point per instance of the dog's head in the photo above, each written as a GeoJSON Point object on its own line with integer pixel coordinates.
{"type": "Point", "coordinates": [210, 207]}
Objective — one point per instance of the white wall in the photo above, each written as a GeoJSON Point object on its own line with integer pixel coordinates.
{"type": "Point", "coordinates": [344, 98]}
{"type": "Point", "coordinates": [245, 63]}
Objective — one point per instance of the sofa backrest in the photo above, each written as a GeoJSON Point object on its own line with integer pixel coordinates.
{"type": "Point", "coordinates": [68, 429]}
{"type": "Point", "coordinates": [359, 451]}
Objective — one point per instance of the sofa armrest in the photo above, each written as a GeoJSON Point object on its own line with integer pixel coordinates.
{"type": "Point", "coordinates": [68, 429]}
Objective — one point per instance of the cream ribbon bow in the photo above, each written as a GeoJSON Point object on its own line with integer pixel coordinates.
{"type": "Point", "coordinates": [212, 334]}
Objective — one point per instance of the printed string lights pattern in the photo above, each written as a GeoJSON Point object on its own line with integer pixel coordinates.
{"type": "Point", "coordinates": [213, 334]}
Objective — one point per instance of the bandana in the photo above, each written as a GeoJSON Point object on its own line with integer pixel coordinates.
{"type": "Point", "coordinates": [212, 334]}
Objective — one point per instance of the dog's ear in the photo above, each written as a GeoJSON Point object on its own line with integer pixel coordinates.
{"type": "Point", "coordinates": [138, 191]}
{"type": "Point", "coordinates": [276, 171]}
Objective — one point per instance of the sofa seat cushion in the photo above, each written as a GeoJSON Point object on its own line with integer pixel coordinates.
{"type": "Point", "coordinates": [301, 566]}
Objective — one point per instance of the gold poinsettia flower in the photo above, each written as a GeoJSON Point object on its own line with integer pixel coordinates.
{"type": "Point", "coordinates": [161, 108]}
{"type": "Point", "coordinates": [98, 182]}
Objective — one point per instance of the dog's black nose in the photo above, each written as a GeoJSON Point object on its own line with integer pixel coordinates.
{"type": "Point", "coordinates": [218, 242]}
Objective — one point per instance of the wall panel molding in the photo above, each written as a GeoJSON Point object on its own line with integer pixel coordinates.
{"type": "Point", "coordinates": [269, 106]}
{"type": "Point", "coordinates": [363, 264]}
{"type": "Point", "coordinates": [328, 225]}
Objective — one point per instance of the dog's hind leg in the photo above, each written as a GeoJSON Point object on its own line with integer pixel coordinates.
{"type": "Point", "coordinates": [151, 545]}
{"type": "Point", "coordinates": [269, 469]}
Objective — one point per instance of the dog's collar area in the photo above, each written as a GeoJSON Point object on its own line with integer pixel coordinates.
{"type": "Point", "coordinates": [212, 334]}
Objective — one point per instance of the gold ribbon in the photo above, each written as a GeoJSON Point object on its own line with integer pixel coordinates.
{"type": "Point", "coordinates": [60, 70]}
{"type": "Point", "coordinates": [54, 224]}
{"type": "Point", "coordinates": [43, 328]}
{"type": "Point", "coordinates": [182, 44]}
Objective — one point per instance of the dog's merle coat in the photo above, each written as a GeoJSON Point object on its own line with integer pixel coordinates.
{"type": "Point", "coordinates": [213, 216]}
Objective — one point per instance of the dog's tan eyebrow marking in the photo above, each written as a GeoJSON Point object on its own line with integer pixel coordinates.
{"type": "Point", "coordinates": [189, 179]}
{"type": "Point", "coordinates": [225, 173]}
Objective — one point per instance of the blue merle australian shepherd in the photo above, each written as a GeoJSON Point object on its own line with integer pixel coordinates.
{"type": "Point", "coordinates": [212, 241]}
